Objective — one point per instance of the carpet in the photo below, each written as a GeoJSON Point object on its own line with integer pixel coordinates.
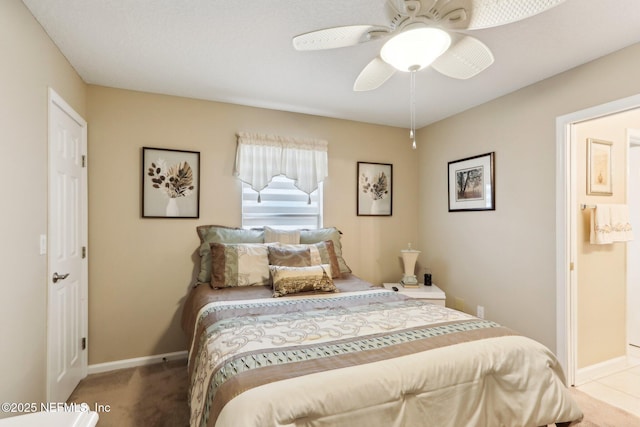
{"type": "Point", "coordinates": [156, 396]}
{"type": "Point", "coordinates": [600, 414]}
{"type": "Point", "coordinates": [153, 396]}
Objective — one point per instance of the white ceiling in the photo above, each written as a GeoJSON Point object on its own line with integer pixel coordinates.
{"type": "Point", "coordinates": [241, 52]}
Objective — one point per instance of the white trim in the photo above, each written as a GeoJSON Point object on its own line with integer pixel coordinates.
{"type": "Point", "coordinates": [602, 369]}
{"type": "Point", "coordinates": [633, 140]}
{"type": "Point", "coordinates": [137, 361]}
{"type": "Point", "coordinates": [57, 99]}
{"type": "Point", "coordinates": [565, 205]}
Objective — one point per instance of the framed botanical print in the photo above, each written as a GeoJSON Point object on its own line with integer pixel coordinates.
{"type": "Point", "coordinates": [599, 175]}
{"type": "Point", "coordinates": [170, 183]}
{"type": "Point", "coordinates": [374, 189]}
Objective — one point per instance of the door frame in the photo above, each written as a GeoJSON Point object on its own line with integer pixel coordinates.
{"type": "Point", "coordinates": [633, 140]}
{"type": "Point", "coordinates": [566, 223]}
{"type": "Point", "coordinates": [56, 101]}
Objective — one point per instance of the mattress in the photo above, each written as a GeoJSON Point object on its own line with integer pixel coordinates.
{"type": "Point", "coordinates": [364, 356]}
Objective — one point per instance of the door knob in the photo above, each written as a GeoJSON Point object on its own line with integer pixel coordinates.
{"type": "Point", "coordinates": [57, 277]}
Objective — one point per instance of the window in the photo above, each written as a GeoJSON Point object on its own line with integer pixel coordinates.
{"type": "Point", "coordinates": [282, 205]}
{"type": "Point", "coordinates": [268, 166]}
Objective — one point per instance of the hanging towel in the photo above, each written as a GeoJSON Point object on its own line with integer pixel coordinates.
{"type": "Point", "coordinates": [621, 227]}
{"type": "Point", "coordinates": [610, 223]}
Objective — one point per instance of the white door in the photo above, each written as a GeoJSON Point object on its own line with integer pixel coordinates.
{"type": "Point", "coordinates": [67, 267]}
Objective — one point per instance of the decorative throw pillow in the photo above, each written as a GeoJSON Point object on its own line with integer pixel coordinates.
{"type": "Point", "coordinates": [322, 235]}
{"type": "Point", "coordinates": [239, 264]}
{"type": "Point", "coordinates": [291, 280]}
{"type": "Point", "coordinates": [305, 255]}
{"type": "Point", "coordinates": [288, 237]}
{"type": "Point", "coordinates": [294, 255]}
{"type": "Point", "coordinates": [328, 256]}
{"type": "Point", "coordinates": [221, 234]}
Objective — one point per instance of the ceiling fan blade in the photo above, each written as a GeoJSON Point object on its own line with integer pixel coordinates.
{"type": "Point", "coordinates": [373, 75]}
{"type": "Point", "coordinates": [491, 13]}
{"type": "Point", "coordinates": [331, 38]}
{"type": "Point", "coordinates": [464, 59]}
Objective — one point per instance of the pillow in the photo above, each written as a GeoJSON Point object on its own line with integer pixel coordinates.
{"type": "Point", "coordinates": [289, 237]}
{"type": "Point", "coordinates": [305, 255]}
{"type": "Point", "coordinates": [221, 234]}
{"type": "Point", "coordinates": [324, 234]}
{"type": "Point", "coordinates": [328, 256]}
{"type": "Point", "coordinates": [291, 280]}
{"type": "Point", "coordinates": [239, 264]}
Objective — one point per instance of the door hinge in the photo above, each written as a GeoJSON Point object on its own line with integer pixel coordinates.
{"type": "Point", "coordinates": [84, 252]}
{"type": "Point", "coordinates": [84, 343]}
{"type": "Point", "coordinates": [84, 161]}
{"type": "Point", "coordinates": [571, 266]}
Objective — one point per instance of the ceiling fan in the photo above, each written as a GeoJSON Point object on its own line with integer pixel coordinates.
{"type": "Point", "coordinates": [427, 32]}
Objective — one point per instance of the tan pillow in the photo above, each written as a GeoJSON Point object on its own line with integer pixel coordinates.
{"type": "Point", "coordinates": [288, 237]}
{"type": "Point", "coordinates": [221, 234]}
{"type": "Point", "coordinates": [328, 256]}
{"type": "Point", "coordinates": [322, 235]}
{"type": "Point", "coordinates": [292, 280]}
{"type": "Point", "coordinates": [305, 255]}
{"type": "Point", "coordinates": [294, 255]}
{"type": "Point", "coordinates": [239, 264]}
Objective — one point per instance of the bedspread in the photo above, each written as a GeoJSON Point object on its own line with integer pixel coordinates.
{"type": "Point", "coordinates": [369, 358]}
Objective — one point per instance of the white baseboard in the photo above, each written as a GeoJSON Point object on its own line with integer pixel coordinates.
{"type": "Point", "coordinates": [633, 352]}
{"type": "Point", "coordinates": [138, 361]}
{"type": "Point", "coordinates": [602, 369]}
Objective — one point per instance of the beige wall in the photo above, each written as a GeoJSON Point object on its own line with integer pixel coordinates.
{"type": "Point", "coordinates": [505, 259]}
{"type": "Point", "coordinates": [140, 269]}
{"type": "Point", "coordinates": [28, 69]}
{"type": "Point", "coordinates": [602, 268]}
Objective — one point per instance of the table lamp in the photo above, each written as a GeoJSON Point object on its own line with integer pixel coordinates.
{"type": "Point", "coordinates": [409, 258]}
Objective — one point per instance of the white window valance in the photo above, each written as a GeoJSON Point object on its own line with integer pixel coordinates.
{"type": "Point", "coordinates": [261, 157]}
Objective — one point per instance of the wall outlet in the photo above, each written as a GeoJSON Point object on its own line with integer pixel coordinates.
{"type": "Point", "coordinates": [480, 311]}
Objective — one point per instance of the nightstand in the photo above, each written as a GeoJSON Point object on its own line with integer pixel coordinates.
{"type": "Point", "coordinates": [432, 294]}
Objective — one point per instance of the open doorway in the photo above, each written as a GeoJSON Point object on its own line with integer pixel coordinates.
{"type": "Point", "coordinates": [569, 220]}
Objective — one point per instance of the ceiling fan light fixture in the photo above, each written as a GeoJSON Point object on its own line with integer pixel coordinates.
{"type": "Point", "coordinates": [415, 48]}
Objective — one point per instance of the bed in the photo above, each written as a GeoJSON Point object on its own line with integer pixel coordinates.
{"type": "Point", "coordinates": [350, 354]}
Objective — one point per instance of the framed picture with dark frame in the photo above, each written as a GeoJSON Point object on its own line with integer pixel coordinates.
{"type": "Point", "coordinates": [374, 189]}
{"type": "Point", "coordinates": [472, 184]}
{"type": "Point", "coordinates": [599, 167]}
{"type": "Point", "coordinates": [170, 183]}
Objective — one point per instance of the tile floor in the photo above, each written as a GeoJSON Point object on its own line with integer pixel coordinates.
{"type": "Point", "coordinates": [621, 389]}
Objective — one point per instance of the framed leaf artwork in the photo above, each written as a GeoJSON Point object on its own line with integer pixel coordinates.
{"type": "Point", "coordinates": [170, 183]}
{"type": "Point", "coordinates": [375, 189]}
{"type": "Point", "coordinates": [599, 178]}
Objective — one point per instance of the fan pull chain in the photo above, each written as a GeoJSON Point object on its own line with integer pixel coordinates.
{"type": "Point", "coordinates": [412, 107]}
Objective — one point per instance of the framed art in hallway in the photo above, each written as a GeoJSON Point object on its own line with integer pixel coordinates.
{"type": "Point", "coordinates": [599, 167]}
{"type": "Point", "coordinates": [170, 183]}
{"type": "Point", "coordinates": [375, 189]}
{"type": "Point", "coordinates": [472, 183]}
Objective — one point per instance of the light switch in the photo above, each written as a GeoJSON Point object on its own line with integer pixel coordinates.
{"type": "Point", "coordinates": [43, 244]}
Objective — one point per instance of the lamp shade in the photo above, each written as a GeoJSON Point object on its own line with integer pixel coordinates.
{"type": "Point", "coordinates": [415, 48]}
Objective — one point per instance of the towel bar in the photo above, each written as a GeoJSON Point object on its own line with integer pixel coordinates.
{"type": "Point", "coordinates": [583, 206]}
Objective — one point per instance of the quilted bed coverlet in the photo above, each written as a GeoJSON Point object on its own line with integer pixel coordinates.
{"type": "Point", "coordinates": [362, 358]}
